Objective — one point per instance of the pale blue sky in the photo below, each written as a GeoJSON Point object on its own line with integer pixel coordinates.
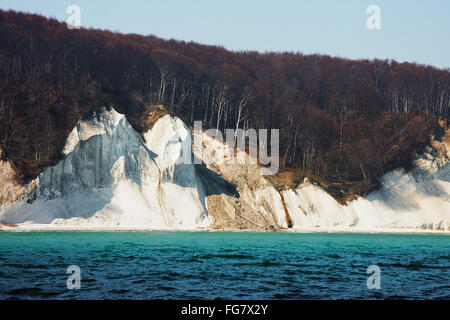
{"type": "Point", "coordinates": [411, 30]}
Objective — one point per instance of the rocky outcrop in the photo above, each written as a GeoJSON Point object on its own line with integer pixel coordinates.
{"type": "Point", "coordinates": [10, 189]}
{"type": "Point", "coordinates": [418, 200]}
{"type": "Point", "coordinates": [114, 178]}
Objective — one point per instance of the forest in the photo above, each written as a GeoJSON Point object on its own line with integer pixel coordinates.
{"type": "Point", "coordinates": [343, 123]}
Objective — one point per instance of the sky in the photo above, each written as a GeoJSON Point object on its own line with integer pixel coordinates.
{"type": "Point", "coordinates": [410, 30]}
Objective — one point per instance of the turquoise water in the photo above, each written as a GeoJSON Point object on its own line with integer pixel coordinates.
{"type": "Point", "coordinates": [228, 265]}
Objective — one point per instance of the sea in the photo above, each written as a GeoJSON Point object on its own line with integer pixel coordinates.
{"type": "Point", "coordinates": [223, 265]}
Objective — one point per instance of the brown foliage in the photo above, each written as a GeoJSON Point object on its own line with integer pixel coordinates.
{"type": "Point", "coordinates": [342, 122]}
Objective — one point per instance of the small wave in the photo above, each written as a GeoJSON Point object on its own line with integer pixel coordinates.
{"type": "Point", "coordinates": [26, 266]}
{"type": "Point", "coordinates": [226, 256]}
{"type": "Point", "coordinates": [32, 292]}
{"type": "Point", "coordinates": [166, 288]}
{"type": "Point", "coordinates": [119, 291]}
{"type": "Point", "coordinates": [266, 263]}
{"type": "Point", "coordinates": [417, 266]}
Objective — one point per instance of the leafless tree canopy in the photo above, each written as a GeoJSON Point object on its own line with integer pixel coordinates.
{"type": "Point", "coordinates": [342, 123]}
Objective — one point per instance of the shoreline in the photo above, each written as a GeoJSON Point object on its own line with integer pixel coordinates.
{"type": "Point", "coordinates": [53, 228]}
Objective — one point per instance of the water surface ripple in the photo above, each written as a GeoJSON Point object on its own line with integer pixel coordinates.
{"type": "Point", "coordinates": [225, 265]}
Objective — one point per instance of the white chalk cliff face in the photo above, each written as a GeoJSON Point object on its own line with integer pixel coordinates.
{"type": "Point", "coordinates": [413, 201]}
{"type": "Point", "coordinates": [417, 200]}
{"type": "Point", "coordinates": [112, 178]}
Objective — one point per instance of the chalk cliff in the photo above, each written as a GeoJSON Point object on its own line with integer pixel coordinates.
{"type": "Point", "coordinates": [113, 178]}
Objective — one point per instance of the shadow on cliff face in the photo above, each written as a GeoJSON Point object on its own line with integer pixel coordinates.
{"type": "Point", "coordinates": [83, 200]}
{"type": "Point", "coordinates": [214, 183]}
{"type": "Point", "coordinates": [403, 196]}
{"type": "Point", "coordinates": [82, 204]}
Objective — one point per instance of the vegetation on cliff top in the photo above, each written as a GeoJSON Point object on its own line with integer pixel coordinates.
{"type": "Point", "coordinates": [343, 123]}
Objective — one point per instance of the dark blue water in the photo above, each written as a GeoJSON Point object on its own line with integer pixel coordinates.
{"type": "Point", "coordinates": [209, 265]}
